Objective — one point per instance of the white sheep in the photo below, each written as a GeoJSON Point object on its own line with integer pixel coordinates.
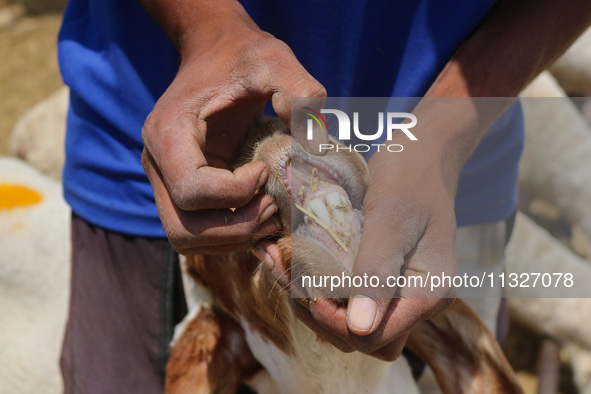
{"type": "Point", "coordinates": [38, 136]}
{"type": "Point", "coordinates": [555, 166]}
{"type": "Point", "coordinates": [34, 278]}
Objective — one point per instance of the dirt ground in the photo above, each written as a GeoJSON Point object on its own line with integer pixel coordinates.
{"type": "Point", "coordinates": [28, 69]}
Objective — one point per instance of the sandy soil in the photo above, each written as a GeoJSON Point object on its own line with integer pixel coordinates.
{"type": "Point", "coordinates": [28, 70]}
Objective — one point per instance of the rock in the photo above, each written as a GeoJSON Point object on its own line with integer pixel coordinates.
{"type": "Point", "coordinates": [34, 278]}
{"type": "Point", "coordinates": [38, 136]}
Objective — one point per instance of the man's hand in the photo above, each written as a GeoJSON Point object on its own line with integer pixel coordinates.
{"type": "Point", "coordinates": [409, 229]}
{"type": "Point", "coordinates": [229, 69]}
{"type": "Point", "coordinates": [410, 223]}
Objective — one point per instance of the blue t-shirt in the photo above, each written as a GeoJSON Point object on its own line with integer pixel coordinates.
{"type": "Point", "coordinates": [118, 62]}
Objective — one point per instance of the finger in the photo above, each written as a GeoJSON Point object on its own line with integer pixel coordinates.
{"type": "Point", "coordinates": [432, 261]}
{"type": "Point", "coordinates": [270, 254]}
{"type": "Point", "coordinates": [433, 254]}
{"type": "Point", "coordinates": [304, 315]}
{"type": "Point", "coordinates": [291, 89]}
{"type": "Point", "coordinates": [174, 149]}
{"type": "Point", "coordinates": [190, 230]}
{"type": "Point", "coordinates": [296, 84]}
{"type": "Point", "coordinates": [214, 249]}
{"type": "Point", "coordinates": [389, 351]}
{"type": "Point", "coordinates": [198, 237]}
{"type": "Point", "coordinates": [308, 125]}
{"type": "Point", "coordinates": [392, 350]}
{"type": "Point", "coordinates": [288, 79]}
{"type": "Point", "coordinates": [333, 318]}
{"type": "Point", "coordinates": [411, 311]}
{"type": "Point", "coordinates": [386, 242]}
{"type": "Point", "coordinates": [269, 226]}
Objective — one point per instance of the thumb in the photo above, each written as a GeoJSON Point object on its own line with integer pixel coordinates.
{"type": "Point", "coordinates": [381, 258]}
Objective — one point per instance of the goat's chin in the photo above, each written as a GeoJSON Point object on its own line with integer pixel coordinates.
{"type": "Point", "coordinates": [308, 257]}
{"type": "Point", "coordinates": [312, 260]}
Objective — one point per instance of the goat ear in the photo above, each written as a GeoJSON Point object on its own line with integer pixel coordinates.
{"type": "Point", "coordinates": [187, 368]}
{"type": "Point", "coordinates": [463, 354]}
{"type": "Point", "coordinates": [211, 356]}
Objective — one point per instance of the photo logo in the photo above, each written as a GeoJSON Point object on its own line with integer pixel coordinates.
{"type": "Point", "coordinates": [319, 120]}
{"type": "Point", "coordinates": [393, 120]}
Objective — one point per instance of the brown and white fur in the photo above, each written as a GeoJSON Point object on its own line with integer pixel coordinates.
{"type": "Point", "coordinates": [241, 328]}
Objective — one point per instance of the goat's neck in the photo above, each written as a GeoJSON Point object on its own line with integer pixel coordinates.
{"type": "Point", "coordinates": [313, 365]}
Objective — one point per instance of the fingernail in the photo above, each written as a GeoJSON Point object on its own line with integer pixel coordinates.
{"type": "Point", "coordinates": [264, 257]}
{"type": "Point", "coordinates": [268, 228]}
{"type": "Point", "coordinates": [268, 212]}
{"type": "Point", "coordinates": [262, 178]}
{"type": "Point", "coordinates": [362, 313]}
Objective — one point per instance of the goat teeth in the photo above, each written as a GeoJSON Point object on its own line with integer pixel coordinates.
{"type": "Point", "coordinates": [333, 198]}
{"type": "Point", "coordinates": [307, 221]}
{"type": "Point", "coordinates": [319, 209]}
{"type": "Point", "coordinates": [339, 216]}
{"type": "Point", "coordinates": [346, 202]}
{"type": "Point", "coordinates": [335, 204]}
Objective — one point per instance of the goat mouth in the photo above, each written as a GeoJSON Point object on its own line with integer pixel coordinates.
{"type": "Point", "coordinates": [321, 208]}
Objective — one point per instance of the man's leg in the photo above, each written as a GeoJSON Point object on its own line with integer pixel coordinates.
{"type": "Point", "coordinates": [126, 296]}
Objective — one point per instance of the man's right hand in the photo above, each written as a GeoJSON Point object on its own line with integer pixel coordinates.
{"type": "Point", "coordinates": [229, 69]}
